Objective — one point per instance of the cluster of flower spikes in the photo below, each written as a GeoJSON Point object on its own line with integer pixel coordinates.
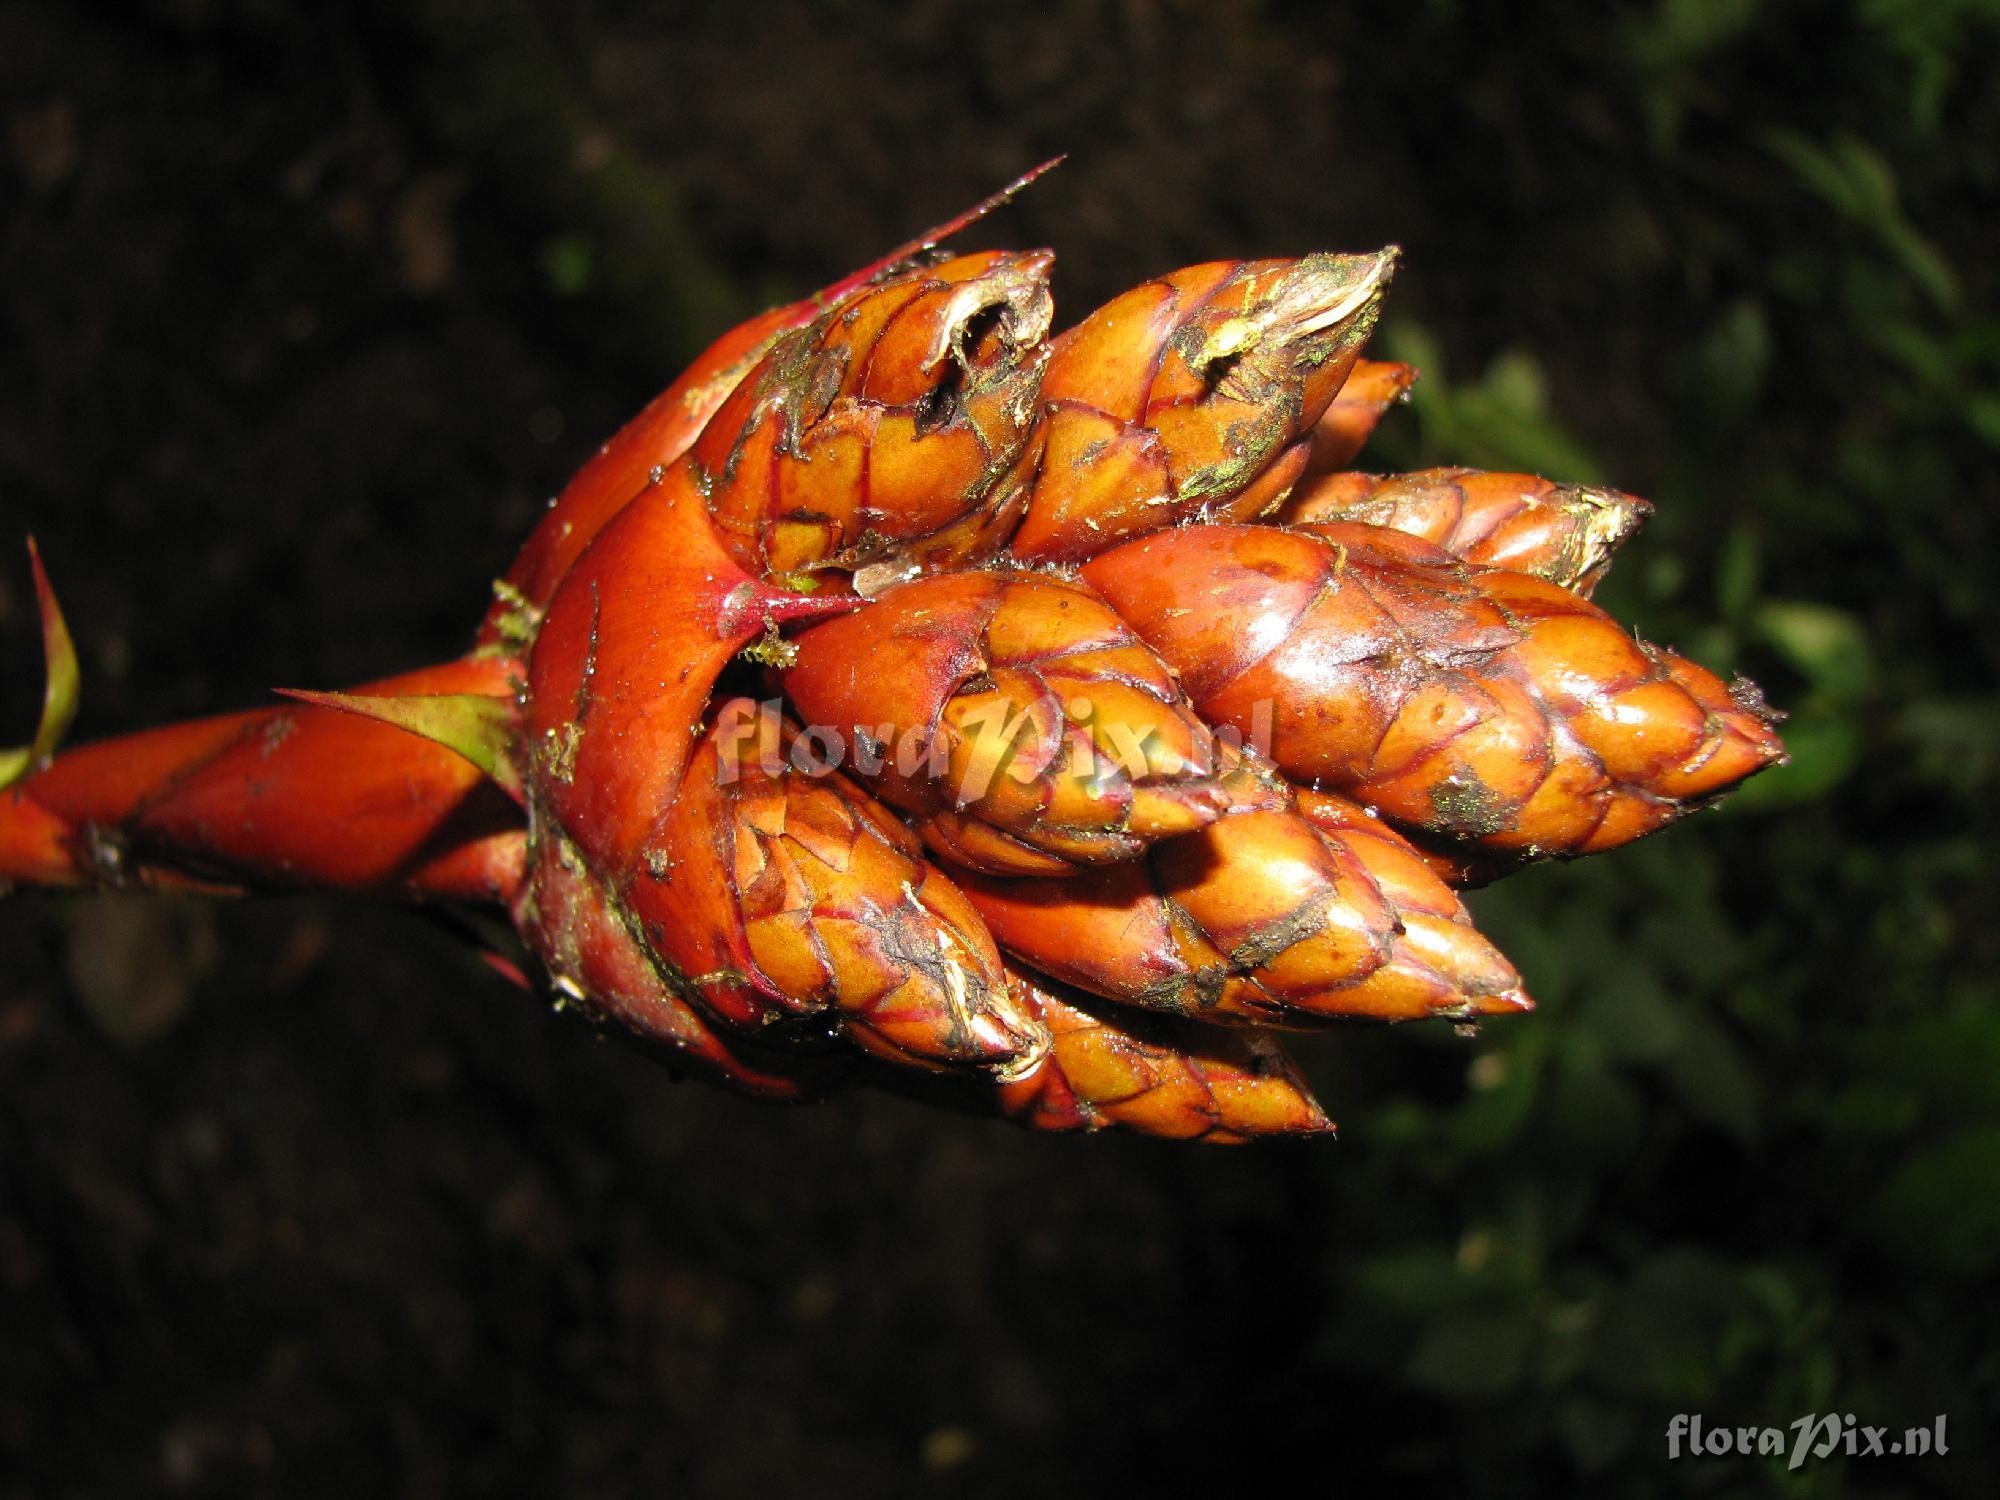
{"type": "Point", "coordinates": [1032, 723]}
{"type": "Point", "coordinates": [1099, 721]}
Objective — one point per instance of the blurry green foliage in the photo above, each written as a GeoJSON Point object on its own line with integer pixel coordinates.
{"type": "Point", "coordinates": [568, 261]}
{"type": "Point", "coordinates": [508, 95]}
{"type": "Point", "coordinates": [1854, 180]}
{"type": "Point", "coordinates": [1501, 420]}
{"type": "Point", "coordinates": [1746, 1160]}
{"type": "Point", "coordinates": [1930, 37]}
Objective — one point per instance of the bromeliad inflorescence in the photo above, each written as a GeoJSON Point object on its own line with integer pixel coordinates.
{"type": "Point", "coordinates": [908, 694]}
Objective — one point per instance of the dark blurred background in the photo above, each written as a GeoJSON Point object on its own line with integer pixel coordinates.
{"type": "Point", "coordinates": [303, 314]}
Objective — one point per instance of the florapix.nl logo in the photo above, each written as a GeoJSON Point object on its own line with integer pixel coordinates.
{"type": "Point", "coordinates": [996, 738]}
{"type": "Point", "coordinates": [1817, 1435]}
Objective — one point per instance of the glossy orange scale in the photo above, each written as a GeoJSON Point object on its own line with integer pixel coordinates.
{"type": "Point", "coordinates": [1156, 1076]}
{"type": "Point", "coordinates": [1057, 738]}
{"type": "Point", "coordinates": [1476, 704]}
{"type": "Point", "coordinates": [1162, 731]}
{"type": "Point", "coordinates": [876, 432]}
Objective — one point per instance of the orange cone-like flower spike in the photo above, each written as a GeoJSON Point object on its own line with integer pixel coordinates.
{"type": "Point", "coordinates": [1258, 919]}
{"type": "Point", "coordinates": [1004, 583]}
{"type": "Point", "coordinates": [1014, 714]}
{"type": "Point", "coordinates": [1109, 1066]}
{"type": "Point", "coordinates": [774, 895]}
{"type": "Point", "coordinates": [883, 434]}
{"type": "Point", "coordinates": [1194, 396]}
{"type": "Point", "coordinates": [1565, 533]}
{"type": "Point", "coordinates": [1480, 704]}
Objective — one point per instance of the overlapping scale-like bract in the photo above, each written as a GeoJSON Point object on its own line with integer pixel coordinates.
{"type": "Point", "coordinates": [1565, 533]}
{"type": "Point", "coordinates": [884, 432]}
{"type": "Point", "coordinates": [1109, 1066]}
{"type": "Point", "coordinates": [1192, 396]}
{"type": "Point", "coordinates": [1016, 716]}
{"type": "Point", "coordinates": [777, 895]}
{"type": "Point", "coordinates": [1477, 704]}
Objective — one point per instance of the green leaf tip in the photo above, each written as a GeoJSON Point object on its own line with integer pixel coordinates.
{"type": "Point", "coordinates": [477, 726]}
{"type": "Point", "coordinates": [64, 681]}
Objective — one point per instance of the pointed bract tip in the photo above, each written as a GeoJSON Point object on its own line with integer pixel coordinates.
{"type": "Point", "coordinates": [1610, 517]}
{"type": "Point", "coordinates": [477, 727]}
{"type": "Point", "coordinates": [931, 238]}
{"type": "Point", "coordinates": [752, 606]}
{"type": "Point", "coordinates": [1323, 295]}
{"type": "Point", "coordinates": [989, 203]}
{"type": "Point", "coordinates": [1360, 280]}
{"type": "Point", "coordinates": [507, 969]}
{"type": "Point", "coordinates": [1505, 1003]}
{"type": "Point", "coordinates": [63, 681]}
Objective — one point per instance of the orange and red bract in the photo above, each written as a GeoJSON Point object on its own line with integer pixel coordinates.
{"type": "Point", "coordinates": [1343, 430]}
{"type": "Point", "coordinates": [1477, 704]}
{"type": "Point", "coordinates": [624, 663]}
{"type": "Point", "coordinates": [1049, 735]}
{"type": "Point", "coordinates": [775, 895]}
{"type": "Point", "coordinates": [1013, 577]}
{"type": "Point", "coordinates": [1156, 1075]}
{"type": "Point", "coordinates": [285, 797]}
